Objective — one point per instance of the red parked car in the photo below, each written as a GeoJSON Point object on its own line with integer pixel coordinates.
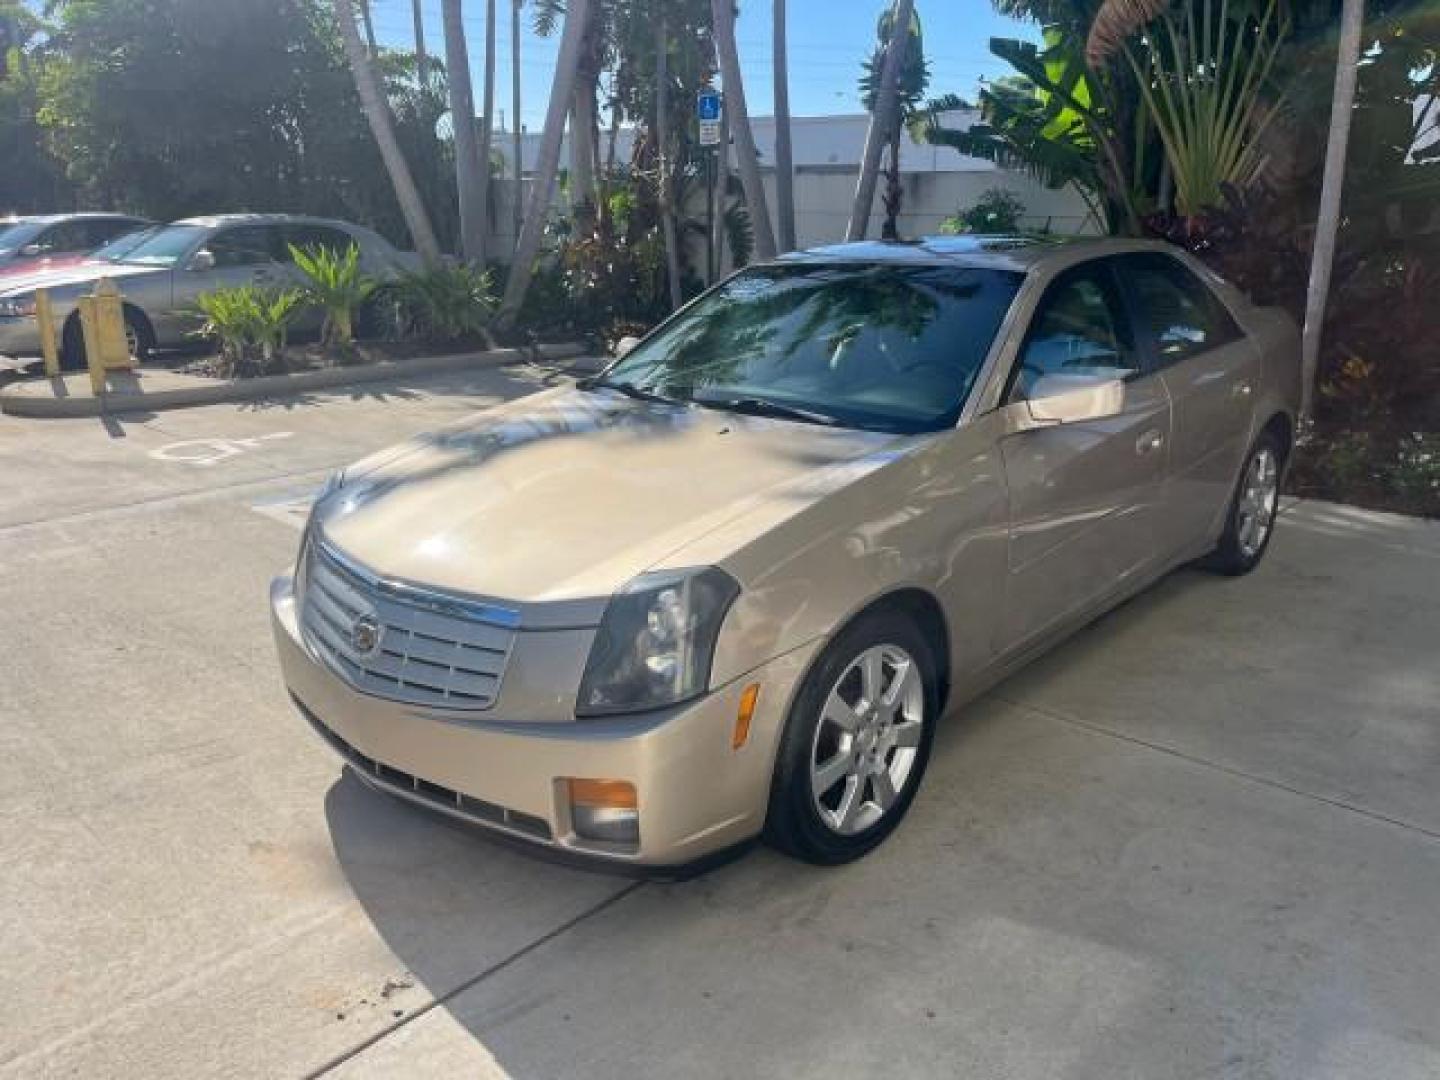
{"type": "Point", "coordinates": [31, 245]}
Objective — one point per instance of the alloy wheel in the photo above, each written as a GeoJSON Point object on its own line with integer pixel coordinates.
{"type": "Point", "coordinates": [1259, 497]}
{"type": "Point", "coordinates": [867, 740]}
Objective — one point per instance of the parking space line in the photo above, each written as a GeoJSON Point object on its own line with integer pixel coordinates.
{"type": "Point", "coordinates": [1229, 770]}
{"type": "Point", "coordinates": [475, 980]}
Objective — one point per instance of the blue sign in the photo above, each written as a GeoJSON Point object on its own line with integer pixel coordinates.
{"type": "Point", "coordinates": [707, 105]}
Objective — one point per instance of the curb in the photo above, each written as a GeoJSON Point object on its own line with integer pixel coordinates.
{"type": "Point", "coordinates": [15, 402]}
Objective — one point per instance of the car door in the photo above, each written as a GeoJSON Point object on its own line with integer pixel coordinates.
{"type": "Point", "coordinates": [1211, 371]}
{"type": "Point", "coordinates": [1084, 455]}
{"type": "Point", "coordinates": [246, 254]}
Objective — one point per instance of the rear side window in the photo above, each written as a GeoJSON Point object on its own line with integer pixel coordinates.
{"type": "Point", "coordinates": [317, 236]}
{"type": "Point", "coordinates": [101, 231]}
{"type": "Point", "coordinates": [247, 245]}
{"type": "Point", "coordinates": [1079, 328]}
{"type": "Point", "coordinates": [1177, 311]}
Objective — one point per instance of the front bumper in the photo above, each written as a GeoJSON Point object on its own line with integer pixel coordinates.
{"type": "Point", "coordinates": [697, 794]}
{"type": "Point", "coordinates": [19, 336]}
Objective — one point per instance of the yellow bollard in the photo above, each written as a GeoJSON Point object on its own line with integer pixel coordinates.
{"type": "Point", "coordinates": [45, 317]}
{"type": "Point", "coordinates": [102, 324]}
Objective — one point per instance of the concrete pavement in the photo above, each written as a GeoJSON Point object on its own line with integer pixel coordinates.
{"type": "Point", "coordinates": [1201, 839]}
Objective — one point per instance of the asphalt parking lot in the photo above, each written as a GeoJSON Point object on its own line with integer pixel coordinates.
{"type": "Point", "coordinates": [1201, 839]}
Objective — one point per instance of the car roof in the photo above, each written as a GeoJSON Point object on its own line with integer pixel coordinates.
{"type": "Point", "coordinates": [1019, 254]}
{"type": "Point", "coordinates": [211, 221]}
{"type": "Point", "coordinates": [79, 215]}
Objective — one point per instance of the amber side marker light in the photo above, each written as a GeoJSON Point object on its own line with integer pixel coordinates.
{"type": "Point", "coordinates": [605, 810]}
{"type": "Point", "coordinates": [748, 698]}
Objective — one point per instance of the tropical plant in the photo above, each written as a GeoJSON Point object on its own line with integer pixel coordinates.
{"type": "Point", "coordinates": [251, 325]}
{"type": "Point", "coordinates": [446, 303]}
{"type": "Point", "coordinates": [996, 211]}
{"type": "Point", "coordinates": [337, 285]}
{"type": "Point", "coordinates": [382, 128]}
{"type": "Point", "coordinates": [911, 80]}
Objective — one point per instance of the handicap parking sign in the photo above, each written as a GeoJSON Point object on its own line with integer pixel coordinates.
{"type": "Point", "coordinates": [707, 105]}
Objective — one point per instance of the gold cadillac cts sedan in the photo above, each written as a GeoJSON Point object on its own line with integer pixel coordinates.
{"type": "Point", "coordinates": [729, 586]}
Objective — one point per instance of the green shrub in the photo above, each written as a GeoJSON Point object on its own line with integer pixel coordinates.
{"type": "Point", "coordinates": [337, 286]}
{"type": "Point", "coordinates": [996, 211]}
{"type": "Point", "coordinates": [446, 303]}
{"type": "Point", "coordinates": [251, 325]}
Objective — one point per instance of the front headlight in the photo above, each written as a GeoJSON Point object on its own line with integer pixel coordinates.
{"type": "Point", "coordinates": [16, 307]}
{"type": "Point", "coordinates": [656, 641]}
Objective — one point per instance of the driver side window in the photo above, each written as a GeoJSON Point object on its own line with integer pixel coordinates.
{"type": "Point", "coordinates": [249, 245]}
{"type": "Point", "coordinates": [1078, 329]}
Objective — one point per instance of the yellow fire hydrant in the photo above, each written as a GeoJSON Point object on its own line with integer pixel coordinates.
{"type": "Point", "coordinates": [102, 324]}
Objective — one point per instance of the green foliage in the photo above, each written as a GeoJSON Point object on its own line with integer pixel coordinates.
{"type": "Point", "coordinates": [996, 211]}
{"type": "Point", "coordinates": [447, 303]}
{"type": "Point", "coordinates": [251, 325]}
{"type": "Point", "coordinates": [336, 284]}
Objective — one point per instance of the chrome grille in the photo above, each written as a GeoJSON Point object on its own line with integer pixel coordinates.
{"type": "Point", "coordinates": [429, 648]}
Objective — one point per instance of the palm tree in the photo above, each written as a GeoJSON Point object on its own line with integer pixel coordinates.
{"type": "Point", "coordinates": [369, 28]}
{"type": "Point", "coordinates": [723, 14]}
{"type": "Point", "coordinates": [462, 122]}
{"type": "Point", "coordinates": [784, 165]}
{"type": "Point", "coordinates": [911, 84]}
{"type": "Point", "coordinates": [517, 142]}
{"type": "Point", "coordinates": [884, 118]}
{"type": "Point", "coordinates": [664, 179]}
{"type": "Point", "coordinates": [486, 130]}
{"type": "Point", "coordinates": [382, 128]}
{"type": "Point", "coordinates": [422, 59]}
{"type": "Point", "coordinates": [561, 89]}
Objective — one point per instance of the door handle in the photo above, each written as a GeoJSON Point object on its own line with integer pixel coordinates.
{"type": "Point", "coordinates": [1241, 389]}
{"type": "Point", "coordinates": [1149, 442]}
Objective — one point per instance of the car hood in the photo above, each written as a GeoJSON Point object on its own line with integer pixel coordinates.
{"type": "Point", "coordinates": [77, 275]}
{"type": "Point", "coordinates": [567, 495]}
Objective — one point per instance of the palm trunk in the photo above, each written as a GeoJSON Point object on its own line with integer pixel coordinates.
{"type": "Point", "coordinates": [784, 163]}
{"type": "Point", "coordinates": [382, 128]}
{"type": "Point", "coordinates": [561, 88]}
{"type": "Point", "coordinates": [486, 131]}
{"type": "Point", "coordinates": [722, 187]}
{"type": "Point", "coordinates": [662, 156]}
{"type": "Point", "coordinates": [723, 13]}
{"type": "Point", "coordinates": [583, 114]}
{"type": "Point", "coordinates": [517, 137]}
{"type": "Point", "coordinates": [894, 193]}
{"type": "Point", "coordinates": [1327, 222]}
{"type": "Point", "coordinates": [422, 59]}
{"type": "Point", "coordinates": [462, 120]}
{"type": "Point", "coordinates": [369, 27]}
{"type": "Point", "coordinates": [883, 119]}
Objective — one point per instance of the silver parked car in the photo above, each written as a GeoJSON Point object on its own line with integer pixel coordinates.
{"type": "Point", "coordinates": [163, 274]}
{"type": "Point", "coordinates": [730, 585]}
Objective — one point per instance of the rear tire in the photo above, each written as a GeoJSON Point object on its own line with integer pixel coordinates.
{"type": "Point", "coordinates": [856, 743]}
{"type": "Point", "coordinates": [1250, 521]}
{"type": "Point", "coordinates": [138, 334]}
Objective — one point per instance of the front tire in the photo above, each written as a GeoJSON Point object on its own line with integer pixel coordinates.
{"type": "Point", "coordinates": [1250, 522]}
{"type": "Point", "coordinates": [856, 743]}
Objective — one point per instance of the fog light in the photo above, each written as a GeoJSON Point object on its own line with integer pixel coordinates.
{"type": "Point", "coordinates": [605, 810]}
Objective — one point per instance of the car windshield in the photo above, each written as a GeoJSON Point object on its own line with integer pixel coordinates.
{"type": "Point", "coordinates": [16, 234]}
{"type": "Point", "coordinates": [887, 347]}
{"type": "Point", "coordinates": [125, 243]}
{"type": "Point", "coordinates": [164, 247]}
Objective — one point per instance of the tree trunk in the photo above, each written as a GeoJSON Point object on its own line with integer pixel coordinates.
{"type": "Point", "coordinates": [662, 157]}
{"type": "Point", "coordinates": [377, 114]}
{"type": "Point", "coordinates": [723, 13]}
{"type": "Point", "coordinates": [894, 193]}
{"type": "Point", "coordinates": [486, 131]}
{"type": "Point", "coordinates": [784, 162]}
{"type": "Point", "coordinates": [884, 118]}
{"type": "Point", "coordinates": [722, 186]}
{"type": "Point", "coordinates": [422, 59]}
{"type": "Point", "coordinates": [1327, 222]}
{"type": "Point", "coordinates": [369, 27]}
{"type": "Point", "coordinates": [462, 121]}
{"type": "Point", "coordinates": [584, 114]}
{"type": "Point", "coordinates": [561, 88]}
{"type": "Point", "coordinates": [517, 138]}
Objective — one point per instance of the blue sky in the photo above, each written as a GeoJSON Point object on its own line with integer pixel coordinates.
{"type": "Point", "coordinates": [828, 40]}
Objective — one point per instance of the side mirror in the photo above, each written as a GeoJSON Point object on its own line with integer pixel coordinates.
{"type": "Point", "coordinates": [625, 345]}
{"type": "Point", "coordinates": [1072, 399]}
{"type": "Point", "coordinates": [202, 260]}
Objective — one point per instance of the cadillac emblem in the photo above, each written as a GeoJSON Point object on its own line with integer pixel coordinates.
{"type": "Point", "coordinates": [365, 634]}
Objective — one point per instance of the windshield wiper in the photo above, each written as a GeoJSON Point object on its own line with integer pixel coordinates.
{"type": "Point", "coordinates": [629, 389]}
{"type": "Point", "coordinates": [754, 406]}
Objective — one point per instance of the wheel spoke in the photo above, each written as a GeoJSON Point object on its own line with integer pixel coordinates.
{"type": "Point", "coordinates": [899, 685]}
{"type": "Point", "coordinates": [907, 733]}
{"type": "Point", "coordinates": [832, 772]}
{"type": "Point", "coordinates": [849, 806]}
{"type": "Point", "coordinates": [839, 712]}
{"type": "Point", "coordinates": [871, 676]}
{"type": "Point", "coordinates": [883, 789]}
